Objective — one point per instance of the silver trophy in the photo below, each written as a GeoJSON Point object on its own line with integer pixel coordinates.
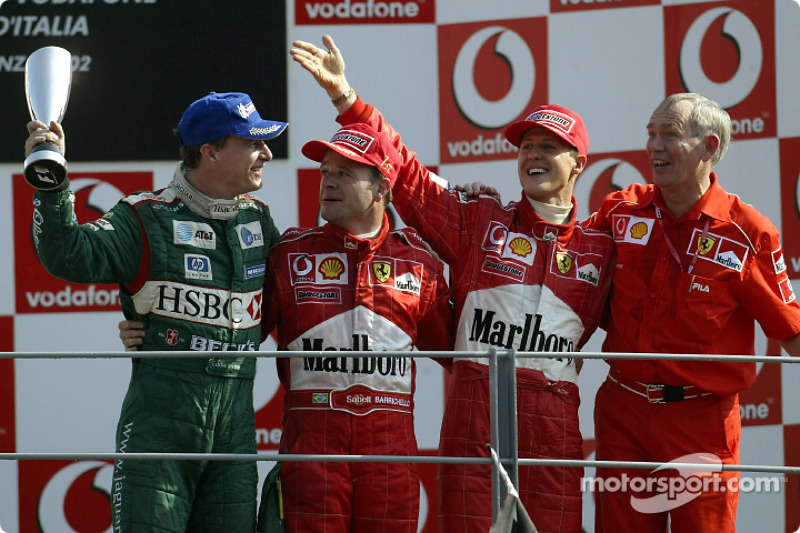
{"type": "Point", "coordinates": [48, 76]}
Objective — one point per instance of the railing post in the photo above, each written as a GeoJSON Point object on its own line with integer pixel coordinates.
{"type": "Point", "coordinates": [503, 421]}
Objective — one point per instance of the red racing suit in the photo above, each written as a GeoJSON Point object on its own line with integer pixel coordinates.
{"type": "Point", "coordinates": [695, 284]}
{"type": "Point", "coordinates": [331, 291]}
{"type": "Point", "coordinates": [517, 282]}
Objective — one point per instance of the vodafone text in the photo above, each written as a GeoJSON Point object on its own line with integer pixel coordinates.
{"type": "Point", "coordinates": [69, 297]}
{"type": "Point", "coordinates": [362, 10]}
{"type": "Point", "coordinates": [480, 146]}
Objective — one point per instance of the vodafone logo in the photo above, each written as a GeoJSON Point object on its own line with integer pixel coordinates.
{"type": "Point", "coordinates": [490, 74]}
{"type": "Point", "coordinates": [513, 49]}
{"type": "Point", "coordinates": [611, 173]}
{"type": "Point", "coordinates": [728, 54]}
{"type": "Point", "coordinates": [53, 512]}
{"type": "Point", "coordinates": [742, 32]}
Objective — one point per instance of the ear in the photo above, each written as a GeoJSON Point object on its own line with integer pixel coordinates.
{"type": "Point", "coordinates": [381, 190]}
{"type": "Point", "coordinates": [209, 152]}
{"type": "Point", "coordinates": [580, 165]}
{"type": "Point", "coordinates": [712, 145]}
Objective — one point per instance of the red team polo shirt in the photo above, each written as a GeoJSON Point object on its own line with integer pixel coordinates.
{"type": "Point", "coordinates": [693, 285]}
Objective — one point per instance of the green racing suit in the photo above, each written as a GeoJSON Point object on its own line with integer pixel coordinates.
{"type": "Point", "coordinates": [191, 269]}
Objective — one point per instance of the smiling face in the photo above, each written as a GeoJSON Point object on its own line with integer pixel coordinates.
{"type": "Point", "coordinates": [238, 166]}
{"type": "Point", "coordinates": [350, 195]}
{"type": "Point", "coordinates": [680, 161]}
{"type": "Point", "coordinates": [548, 167]}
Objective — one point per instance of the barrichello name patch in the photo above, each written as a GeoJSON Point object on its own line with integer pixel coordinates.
{"type": "Point", "coordinates": [250, 235]}
{"type": "Point", "coordinates": [192, 233]}
{"type": "Point", "coordinates": [720, 250]}
{"type": "Point", "coordinates": [634, 230]}
{"type": "Point", "coordinates": [205, 305]}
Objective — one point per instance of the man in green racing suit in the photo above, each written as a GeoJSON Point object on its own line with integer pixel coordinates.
{"type": "Point", "coordinates": [190, 261]}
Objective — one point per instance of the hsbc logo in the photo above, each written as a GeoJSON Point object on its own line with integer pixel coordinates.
{"type": "Point", "coordinates": [217, 307]}
{"type": "Point", "coordinates": [489, 77]}
{"type": "Point", "coordinates": [727, 54]}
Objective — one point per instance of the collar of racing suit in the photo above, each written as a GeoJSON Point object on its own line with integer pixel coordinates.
{"type": "Point", "coordinates": [342, 240]}
{"type": "Point", "coordinates": [205, 206]}
{"type": "Point", "coordinates": [542, 229]}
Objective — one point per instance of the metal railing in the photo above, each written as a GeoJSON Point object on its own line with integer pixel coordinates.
{"type": "Point", "coordinates": [502, 412]}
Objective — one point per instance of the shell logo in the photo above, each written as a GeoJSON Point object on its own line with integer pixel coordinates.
{"type": "Point", "coordinates": [332, 268]}
{"type": "Point", "coordinates": [638, 230]}
{"type": "Point", "coordinates": [520, 246]}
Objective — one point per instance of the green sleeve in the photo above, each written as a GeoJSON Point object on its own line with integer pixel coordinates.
{"type": "Point", "coordinates": [107, 250]}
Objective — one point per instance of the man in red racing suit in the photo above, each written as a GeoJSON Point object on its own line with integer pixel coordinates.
{"type": "Point", "coordinates": [352, 287]}
{"type": "Point", "coordinates": [523, 276]}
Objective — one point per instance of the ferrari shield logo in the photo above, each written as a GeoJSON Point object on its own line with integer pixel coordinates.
{"type": "Point", "coordinates": [382, 270]}
{"type": "Point", "coordinates": [564, 262]}
{"type": "Point", "coordinates": [705, 245]}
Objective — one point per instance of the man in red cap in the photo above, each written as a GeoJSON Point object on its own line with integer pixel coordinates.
{"type": "Point", "coordinates": [523, 276]}
{"type": "Point", "coordinates": [353, 284]}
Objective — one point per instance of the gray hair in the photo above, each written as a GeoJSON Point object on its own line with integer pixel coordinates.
{"type": "Point", "coordinates": [705, 118]}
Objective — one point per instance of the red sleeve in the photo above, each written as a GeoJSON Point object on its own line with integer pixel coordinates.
{"type": "Point", "coordinates": [423, 200]}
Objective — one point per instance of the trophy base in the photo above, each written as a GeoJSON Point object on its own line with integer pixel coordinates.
{"type": "Point", "coordinates": [45, 169]}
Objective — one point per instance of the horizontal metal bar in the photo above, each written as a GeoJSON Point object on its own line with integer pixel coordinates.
{"type": "Point", "coordinates": [423, 459]}
{"type": "Point", "coordinates": [453, 355]}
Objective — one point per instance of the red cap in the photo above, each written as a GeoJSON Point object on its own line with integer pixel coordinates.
{"type": "Point", "coordinates": [359, 142]}
{"type": "Point", "coordinates": [563, 122]}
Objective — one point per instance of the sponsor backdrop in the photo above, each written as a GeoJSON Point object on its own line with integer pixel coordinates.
{"type": "Point", "coordinates": [449, 75]}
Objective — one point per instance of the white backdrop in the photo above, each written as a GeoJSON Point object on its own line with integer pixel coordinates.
{"type": "Point", "coordinates": [610, 60]}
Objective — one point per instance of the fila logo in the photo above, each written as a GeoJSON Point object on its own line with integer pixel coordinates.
{"type": "Point", "coordinates": [699, 287]}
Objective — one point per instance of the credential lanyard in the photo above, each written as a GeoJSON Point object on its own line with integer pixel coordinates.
{"type": "Point", "coordinates": [672, 247]}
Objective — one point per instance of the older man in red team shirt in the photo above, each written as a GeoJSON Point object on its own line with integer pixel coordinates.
{"type": "Point", "coordinates": [696, 268]}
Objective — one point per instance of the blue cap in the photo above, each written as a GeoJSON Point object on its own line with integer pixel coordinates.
{"type": "Point", "coordinates": [220, 115]}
